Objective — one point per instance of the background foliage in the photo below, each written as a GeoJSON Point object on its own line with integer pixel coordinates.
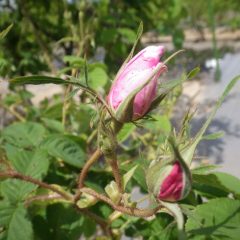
{"type": "Point", "coordinates": [52, 141]}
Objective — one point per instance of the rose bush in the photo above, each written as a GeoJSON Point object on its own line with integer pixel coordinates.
{"type": "Point", "coordinates": [69, 166]}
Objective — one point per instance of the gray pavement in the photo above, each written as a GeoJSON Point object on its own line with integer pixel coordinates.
{"type": "Point", "coordinates": [224, 151]}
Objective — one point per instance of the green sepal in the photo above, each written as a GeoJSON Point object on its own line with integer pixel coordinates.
{"type": "Point", "coordinates": [176, 212]}
{"type": "Point", "coordinates": [139, 34]}
{"type": "Point", "coordinates": [155, 175]}
{"type": "Point", "coordinates": [187, 173]}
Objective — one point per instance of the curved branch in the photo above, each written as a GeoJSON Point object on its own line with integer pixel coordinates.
{"type": "Point", "coordinates": [128, 210]}
{"type": "Point", "coordinates": [96, 155]}
{"type": "Point", "coordinates": [16, 175]}
{"type": "Point", "coordinates": [42, 198]}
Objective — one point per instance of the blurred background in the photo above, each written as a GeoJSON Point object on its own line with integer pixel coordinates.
{"type": "Point", "coordinates": [51, 37]}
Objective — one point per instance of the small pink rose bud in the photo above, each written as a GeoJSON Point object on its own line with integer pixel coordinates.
{"type": "Point", "coordinates": [135, 85]}
{"type": "Point", "coordinates": [169, 182]}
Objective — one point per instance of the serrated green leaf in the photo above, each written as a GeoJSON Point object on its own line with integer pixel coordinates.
{"type": "Point", "coordinates": [63, 222]}
{"type": "Point", "coordinates": [216, 184]}
{"type": "Point", "coordinates": [13, 218]}
{"type": "Point", "coordinates": [230, 182]}
{"type": "Point", "coordinates": [217, 219]}
{"type": "Point", "coordinates": [20, 227]}
{"type": "Point", "coordinates": [6, 211]}
{"type": "Point", "coordinates": [208, 185]}
{"type": "Point", "coordinates": [28, 163]}
{"type": "Point", "coordinates": [53, 124]}
{"type": "Point", "coordinates": [27, 134]}
{"type": "Point", "coordinates": [64, 148]}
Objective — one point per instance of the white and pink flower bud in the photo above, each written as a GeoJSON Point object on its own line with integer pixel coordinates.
{"type": "Point", "coordinates": [169, 182]}
{"type": "Point", "coordinates": [137, 81]}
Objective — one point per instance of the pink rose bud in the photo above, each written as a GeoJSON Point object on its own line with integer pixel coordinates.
{"type": "Point", "coordinates": [135, 85]}
{"type": "Point", "coordinates": [169, 182]}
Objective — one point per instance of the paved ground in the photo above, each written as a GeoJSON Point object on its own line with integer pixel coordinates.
{"type": "Point", "coordinates": [224, 151]}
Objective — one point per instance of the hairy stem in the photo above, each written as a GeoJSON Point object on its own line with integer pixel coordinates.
{"type": "Point", "coordinates": [16, 175]}
{"type": "Point", "coordinates": [116, 172]}
{"type": "Point", "coordinates": [96, 155]}
{"type": "Point", "coordinates": [124, 209]}
{"type": "Point", "coordinates": [117, 126]}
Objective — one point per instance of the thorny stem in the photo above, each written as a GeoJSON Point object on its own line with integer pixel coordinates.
{"type": "Point", "coordinates": [16, 175]}
{"type": "Point", "coordinates": [124, 209]}
{"type": "Point", "coordinates": [116, 173]}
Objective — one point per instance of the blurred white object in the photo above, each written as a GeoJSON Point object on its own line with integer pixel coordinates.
{"type": "Point", "coordinates": [211, 63]}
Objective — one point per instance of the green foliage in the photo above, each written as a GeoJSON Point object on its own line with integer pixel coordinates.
{"type": "Point", "coordinates": [43, 148]}
{"type": "Point", "coordinates": [13, 218]}
{"type": "Point", "coordinates": [52, 141]}
{"type": "Point", "coordinates": [64, 148]}
{"type": "Point", "coordinates": [24, 134]}
{"type": "Point", "coordinates": [217, 219]}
